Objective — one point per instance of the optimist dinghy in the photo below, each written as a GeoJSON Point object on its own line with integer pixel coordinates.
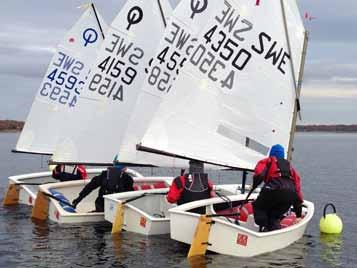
{"type": "Point", "coordinates": [146, 211]}
{"type": "Point", "coordinates": [236, 96]}
{"type": "Point", "coordinates": [56, 101]}
{"type": "Point", "coordinates": [234, 232]}
{"type": "Point", "coordinates": [54, 200]}
{"type": "Point", "coordinates": [22, 189]}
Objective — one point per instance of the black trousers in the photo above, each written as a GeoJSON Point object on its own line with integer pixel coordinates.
{"type": "Point", "coordinates": [270, 206]}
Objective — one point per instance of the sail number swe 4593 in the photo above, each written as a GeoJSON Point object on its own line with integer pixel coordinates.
{"type": "Point", "coordinates": [62, 84]}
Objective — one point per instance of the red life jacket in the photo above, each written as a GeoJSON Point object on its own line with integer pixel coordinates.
{"type": "Point", "coordinates": [279, 174]}
{"type": "Point", "coordinates": [81, 171]}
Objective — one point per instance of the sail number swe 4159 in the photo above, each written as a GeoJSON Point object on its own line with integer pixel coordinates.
{"type": "Point", "coordinates": [115, 74]}
{"type": "Point", "coordinates": [117, 68]}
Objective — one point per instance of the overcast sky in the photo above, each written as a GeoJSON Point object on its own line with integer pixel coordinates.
{"type": "Point", "coordinates": [31, 29]}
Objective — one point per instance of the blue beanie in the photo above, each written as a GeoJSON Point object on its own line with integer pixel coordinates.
{"type": "Point", "coordinates": [277, 150]}
{"type": "Point", "coordinates": [117, 164]}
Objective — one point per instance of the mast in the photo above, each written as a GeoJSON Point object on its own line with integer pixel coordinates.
{"type": "Point", "coordinates": [96, 17]}
{"type": "Point", "coordinates": [162, 13]}
{"type": "Point", "coordinates": [297, 85]}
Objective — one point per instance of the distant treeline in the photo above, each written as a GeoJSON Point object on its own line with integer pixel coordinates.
{"type": "Point", "coordinates": [11, 125]}
{"type": "Point", "coordinates": [327, 128]}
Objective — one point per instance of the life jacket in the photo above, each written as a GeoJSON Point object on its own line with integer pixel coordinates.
{"type": "Point", "coordinates": [114, 182]}
{"type": "Point", "coordinates": [280, 175]}
{"type": "Point", "coordinates": [79, 172]}
{"type": "Point", "coordinates": [82, 172]}
{"type": "Point", "coordinates": [57, 171]}
{"type": "Point", "coordinates": [194, 189]}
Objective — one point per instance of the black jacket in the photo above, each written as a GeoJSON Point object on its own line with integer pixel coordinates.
{"type": "Point", "coordinates": [117, 183]}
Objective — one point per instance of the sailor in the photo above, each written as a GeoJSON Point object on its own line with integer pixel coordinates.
{"type": "Point", "coordinates": [191, 187]}
{"type": "Point", "coordinates": [115, 179]}
{"type": "Point", "coordinates": [79, 173]}
{"type": "Point", "coordinates": [281, 190]}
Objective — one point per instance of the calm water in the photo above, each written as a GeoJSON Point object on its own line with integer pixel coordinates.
{"type": "Point", "coordinates": [326, 162]}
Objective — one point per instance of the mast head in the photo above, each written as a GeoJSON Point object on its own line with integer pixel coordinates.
{"type": "Point", "coordinates": [277, 150]}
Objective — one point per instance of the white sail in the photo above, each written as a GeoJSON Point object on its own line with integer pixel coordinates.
{"type": "Point", "coordinates": [235, 95]}
{"type": "Point", "coordinates": [164, 68]}
{"type": "Point", "coordinates": [296, 29]}
{"type": "Point", "coordinates": [58, 95]}
{"type": "Point", "coordinates": [114, 83]}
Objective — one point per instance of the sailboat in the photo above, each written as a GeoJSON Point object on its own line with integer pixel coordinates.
{"type": "Point", "coordinates": [106, 104]}
{"type": "Point", "coordinates": [236, 96]}
{"type": "Point", "coordinates": [146, 211]}
{"type": "Point", "coordinates": [57, 99]}
{"type": "Point", "coordinates": [113, 85]}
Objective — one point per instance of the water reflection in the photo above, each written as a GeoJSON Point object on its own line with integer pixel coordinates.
{"type": "Point", "coordinates": [24, 243]}
{"type": "Point", "coordinates": [331, 247]}
{"type": "Point", "coordinates": [117, 241]}
{"type": "Point", "coordinates": [198, 262]}
{"type": "Point", "coordinates": [291, 256]}
{"type": "Point", "coordinates": [40, 233]}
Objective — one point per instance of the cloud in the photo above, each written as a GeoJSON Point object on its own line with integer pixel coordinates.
{"type": "Point", "coordinates": [329, 91]}
{"type": "Point", "coordinates": [30, 34]}
{"type": "Point", "coordinates": [347, 80]}
{"type": "Point", "coordinates": [28, 62]}
{"type": "Point", "coordinates": [334, 19]}
{"type": "Point", "coordinates": [26, 51]}
{"type": "Point", "coordinates": [344, 74]}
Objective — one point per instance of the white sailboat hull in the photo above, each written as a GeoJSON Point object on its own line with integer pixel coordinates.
{"type": "Point", "coordinates": [27, 193]}
{"type": "Point", "coordinates": [228, 238]}
{"type": "Point", "coordinates": [143, 215]}
{"type": "Point", "coordinates": [148, 215]}
{"type": "Point", "coordinates": [83, 211]}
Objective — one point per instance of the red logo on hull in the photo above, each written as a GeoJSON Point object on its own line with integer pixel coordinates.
{"type": "Point", "coordinates": [143, 222]}
{"type": "Point", "coordinates": [57, 215]}
{"type": "Point", "coordinates": [242, 239]}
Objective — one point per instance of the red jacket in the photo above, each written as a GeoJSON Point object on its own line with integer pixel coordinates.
{"type": "Point", "coordinates": [81, 170]}
{"type": "Point", "coordinates": [263, 164]}
{"type": "Point", "coordinates": [174, 193]}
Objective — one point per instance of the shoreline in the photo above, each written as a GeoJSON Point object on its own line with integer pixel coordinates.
{"type": "Point", "coordinates": [337, 128]}
{"type": "Point", "coordinates": [12, 126]}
